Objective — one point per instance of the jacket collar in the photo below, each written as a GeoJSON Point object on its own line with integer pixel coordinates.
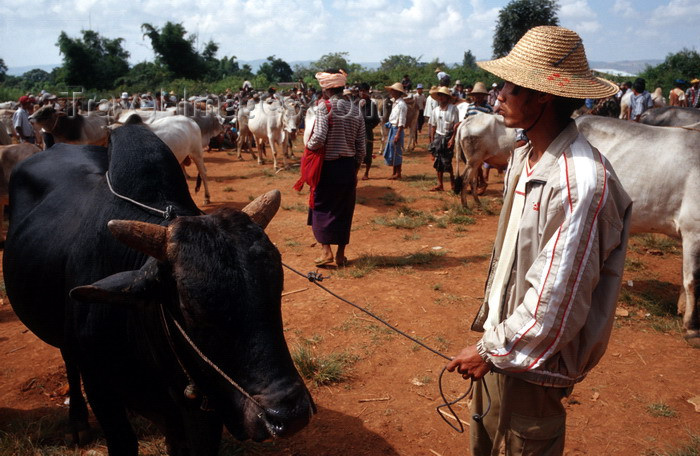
{"type": "Point", "coordinates": [551, 155]}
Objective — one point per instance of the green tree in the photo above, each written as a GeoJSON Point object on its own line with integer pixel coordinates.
{"type": "Point", "coordinates": [332, 60]}
{"type": "Point", "coordinates": [177, 52]}
{"type": "Point", "coordinates": [93, 62]}
{"type": "Point", "coordinates": [400, 62]}
{"type": "Point", "coordinates": [3, 70]}
{"type": "Point", "coordinates": [276, 70]}
{"type": "Point", "coordinates": [519, 16]}
{"type": "Point", "coordinates": [144, 76]}
{"type": "Point", "coordinates": [684, 64]}
{"type": "Point", "coordinates": [37, 76]}
{"type": "Point", "coordinates": [469, 61]}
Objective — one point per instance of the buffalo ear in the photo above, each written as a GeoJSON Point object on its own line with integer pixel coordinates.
{"type": "Point", "coordinates": [122, 288]}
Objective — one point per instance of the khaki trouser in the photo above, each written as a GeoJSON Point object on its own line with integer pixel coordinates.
{"type": "Point", "coordinates": [525, 419]}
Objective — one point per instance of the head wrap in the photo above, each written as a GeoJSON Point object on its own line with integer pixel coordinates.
{"type": "Point", "coordinates": [330, 80]}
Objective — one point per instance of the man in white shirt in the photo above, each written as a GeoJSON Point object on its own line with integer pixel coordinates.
{"type": "Point", "coordinates": [393, 151]}
{"type": "Point", "coordinates": [20, 120]}
{"type": "Point", "coordinates": [443, 123]}
{"type": "Point", "coordinates": [430, 104]}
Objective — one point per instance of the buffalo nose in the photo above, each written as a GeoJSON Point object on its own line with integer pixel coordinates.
{"type": "Point", "coordinates": [283, 423]}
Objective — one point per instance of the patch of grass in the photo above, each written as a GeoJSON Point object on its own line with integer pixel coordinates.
{"type": "Point", "coordinates": [361, 200]}
{"type": "Point", "coordinates": [692, 448]}
{"type": "Point", "coordinates": [299, 207]}
{"type": "Point", "coordinates": [407, 218]}
{"type": "Point", "coordinates": [321, 370]}
{"type": "Point", "coordinates": [656, 243]}
{"type": "Point", "coordinates": [659, 409]}
{"type": "Point", "coordinates": [366, 264]}
{"type": "Point", "coordinates": [411, 237]}
{"type": "Point", "coordinates": [228, 188]}
{"type": "Point", "coordinates": [654, 297]}
{"type": "Point", "coordinates": [393, 198]}
{"type": "Point", "coordinates": [437, 287]}
{"type": "Point", "coordinates": [421, 181]}
{"type": "Point", "coordinates": [634, 265]}
{"type": "Point", "coordinates": [291, 243]}
{"type": "Point", "coordinates": [251, 197]}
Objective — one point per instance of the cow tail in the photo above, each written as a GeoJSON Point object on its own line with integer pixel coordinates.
{"type": "Point", "coordinates": [198, 185]}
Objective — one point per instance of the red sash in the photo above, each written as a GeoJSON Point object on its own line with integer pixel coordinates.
{"type": "Point", "coordinates": [311, 163]}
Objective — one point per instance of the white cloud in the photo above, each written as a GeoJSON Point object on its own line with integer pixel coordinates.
{"type": "Point", "coordinates": [579, 16]}
{"type": "Point", "coordinates": [625, 9]}
{"type": "Point", "coordinates": [676, 13]}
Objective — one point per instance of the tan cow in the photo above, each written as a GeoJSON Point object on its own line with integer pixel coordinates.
{"type": "Point", "coordinates": [76, 129]}
{"type": "Point", "coordinates": [9, 157]}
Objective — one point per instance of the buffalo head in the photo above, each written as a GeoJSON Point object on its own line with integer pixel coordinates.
{"type": "Point", "coordinates": [218, 280]}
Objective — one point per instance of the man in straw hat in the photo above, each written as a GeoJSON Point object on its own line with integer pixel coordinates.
{"type": "Point", "coordinates": [443, 123]}
{"type": "Point", "coordinates": [342, 132]}
{"type": "Point", "coordinates": [558, 255]}
{"type": "Point", "coordinates": [393, 151]}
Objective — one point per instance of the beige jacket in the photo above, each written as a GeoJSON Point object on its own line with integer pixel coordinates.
{"type": "Point", "coordinates": [558, 306]}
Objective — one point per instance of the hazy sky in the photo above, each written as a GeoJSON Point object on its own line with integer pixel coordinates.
{"type": "Point", "coordinates": [369, 30]}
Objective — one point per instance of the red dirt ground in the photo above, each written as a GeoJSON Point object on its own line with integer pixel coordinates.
{"type": "Point", "coordinates": [386, 405]}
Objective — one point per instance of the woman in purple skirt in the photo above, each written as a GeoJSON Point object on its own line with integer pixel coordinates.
{"type": "Point", "coordinates": [343, 135]}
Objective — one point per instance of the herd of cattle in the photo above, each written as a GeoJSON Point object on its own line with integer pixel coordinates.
{"type": "Point", "coordinates": [147, 329]}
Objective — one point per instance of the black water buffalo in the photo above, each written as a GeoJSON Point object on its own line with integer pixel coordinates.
{"type": "Point", "coordinates": [182, 326]}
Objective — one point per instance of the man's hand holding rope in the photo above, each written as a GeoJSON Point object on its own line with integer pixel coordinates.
{"type": "Point", "coordinates": [469, 363]}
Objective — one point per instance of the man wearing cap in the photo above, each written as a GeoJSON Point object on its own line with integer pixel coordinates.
{"type": "Point", "coordinates": [443, 123]}
{"type": "Point", "coordinates": [342, 133]}
{"type": "Point", "coordinates": [558, 256]}
{"type": "Point", "coordinates": [692, 95]}
{"type": "Point", "coordinates": [393, 151]}
{"type": "Point", "coordinates": [371, 117]}
{"type": "Point", "coordinates": [20, 120]}
{"type": "Point", "coordinates": [443, 78]}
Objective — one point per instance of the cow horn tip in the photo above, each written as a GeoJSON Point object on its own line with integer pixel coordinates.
{"type": "Point", "coordinates": [263, 208]}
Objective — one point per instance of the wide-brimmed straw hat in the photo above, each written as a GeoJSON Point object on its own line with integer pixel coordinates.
{"type": "Point", "coordinates": [695, 81]}
{"type": "Point", "coordinates": [441, 90]}
{"type": "Point", "coordinates": [479, 87]}
{"type": "Point", "coordinates": [396, 86]}
{"type": "Point", "coordinates": [552, 60]}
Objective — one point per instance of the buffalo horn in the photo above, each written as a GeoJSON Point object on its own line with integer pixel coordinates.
{"type": "Point", "coordinates": [264, 207]}
{"type": "Point", "coordinates": [145, 237]}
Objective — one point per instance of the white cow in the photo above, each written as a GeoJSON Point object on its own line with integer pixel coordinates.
{"type": "Point", "coordinates": [183, 137]}
{"type": "Point", "coordinates": [659, 167]}
{"type": "Point", "coordinates": [266, 123]}
{"type": "Point", "coordinates": [481, 138]}
{"type": "Point", "coordinates": [670, 116]}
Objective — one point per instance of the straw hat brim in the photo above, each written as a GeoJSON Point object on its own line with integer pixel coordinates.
{"type": "Point", "coordinates": [435, 96]}
{"type": "Point", "coordinates": [558, 83]}
{"type": "Point", "coordinates": [398, 88]}
{"type": "Point", "coordinates": [552, 60]}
